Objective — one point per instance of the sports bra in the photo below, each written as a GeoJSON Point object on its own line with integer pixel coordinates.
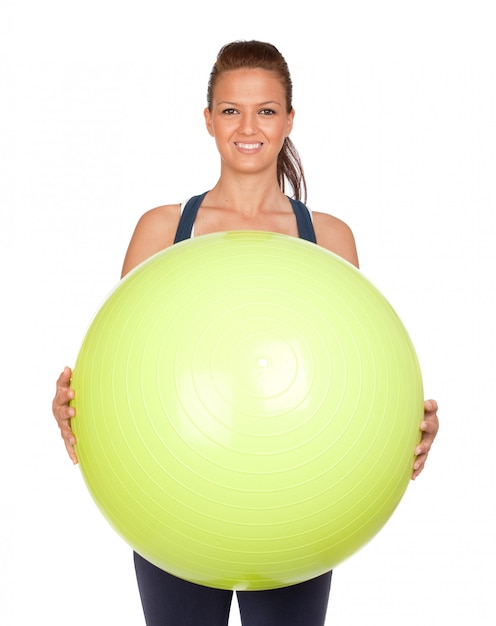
{"type": "Point", "coordinates": [190, 210]}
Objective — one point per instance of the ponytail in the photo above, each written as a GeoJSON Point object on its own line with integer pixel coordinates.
{"type": "Point", "coordinates": [289, 168]}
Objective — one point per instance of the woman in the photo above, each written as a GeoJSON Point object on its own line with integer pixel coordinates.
{"type": "Point", "coordinates": [250, 116]}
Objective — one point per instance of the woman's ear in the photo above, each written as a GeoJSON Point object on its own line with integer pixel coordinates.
{"type": "Point", "coordinates": [208, 121]}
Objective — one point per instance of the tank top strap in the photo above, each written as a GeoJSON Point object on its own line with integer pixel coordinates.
{"type": "Point", "coordinates": [190, 210]}
{"type": "Point", "coordinates": [188, 216]}
{"type": "Point", "coordinates": [303, 221]}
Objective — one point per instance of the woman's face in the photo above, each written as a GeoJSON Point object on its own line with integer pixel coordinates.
{"type": "Point", "coordinates": [249, 120]}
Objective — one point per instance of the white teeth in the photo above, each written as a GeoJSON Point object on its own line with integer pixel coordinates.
{"type": "Point", "coordinates": [249, 146]}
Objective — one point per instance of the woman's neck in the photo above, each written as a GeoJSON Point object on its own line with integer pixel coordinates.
{"type": "Point", "coordinates": [247, 195]}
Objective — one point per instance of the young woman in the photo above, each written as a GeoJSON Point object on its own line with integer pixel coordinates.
{"type": "Point", "coordinates": [250, 116]}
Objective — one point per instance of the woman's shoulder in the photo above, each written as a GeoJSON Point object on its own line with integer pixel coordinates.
{"type": "Point", "coordinates": [154, 231]}
{"type": "Point", "coordinates": [335, 235]}
{"type": "Point", "coordinates": [160, 215]}
{"type": "Point", "coordinates": [158, 225]}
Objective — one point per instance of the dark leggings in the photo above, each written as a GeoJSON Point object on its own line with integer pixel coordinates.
{"type": "Point", "coordinates": [171, 601]}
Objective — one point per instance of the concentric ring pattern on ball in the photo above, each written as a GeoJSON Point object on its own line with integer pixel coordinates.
{"type": "Point", "coordinates": [247, 409]}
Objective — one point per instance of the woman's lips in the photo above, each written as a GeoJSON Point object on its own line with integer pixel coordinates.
{"type": "Point", "coordinates": [248, 147]}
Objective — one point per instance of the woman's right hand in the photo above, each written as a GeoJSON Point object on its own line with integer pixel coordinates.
{"type": "Point", "coordinates": [63, 412]}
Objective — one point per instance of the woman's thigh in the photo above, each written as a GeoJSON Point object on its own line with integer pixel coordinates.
{"type": "Point", "coordinates": [171, 601]}
{"type": "Point", "coordinates": [304, 604]}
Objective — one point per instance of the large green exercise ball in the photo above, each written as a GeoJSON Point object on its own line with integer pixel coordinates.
{"type": "Point", "coordinates": [248, 406]}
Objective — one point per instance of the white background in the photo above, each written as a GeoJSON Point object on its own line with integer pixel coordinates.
{"type": "Point", "coordinates": [101, 119]}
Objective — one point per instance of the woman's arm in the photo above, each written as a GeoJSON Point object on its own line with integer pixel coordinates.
{"type": "Point", "coordinates": [154, 232]}
{"type": "Point", "coordinates": [337, 237]}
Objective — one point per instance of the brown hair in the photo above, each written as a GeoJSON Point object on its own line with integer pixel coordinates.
{"type": "Point", "coordinates": [259, 55]}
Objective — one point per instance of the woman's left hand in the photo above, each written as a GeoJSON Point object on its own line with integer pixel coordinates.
{"type": "Point", "coordinates": [429, 428]}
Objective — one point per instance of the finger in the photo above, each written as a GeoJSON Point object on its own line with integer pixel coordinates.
{"type": "Point", "coordinates": [69, 440]}
{"type": "Point", "coordinates": [71, 451]}
{"type": "Point", "coordinates": [64, 379]}
{"type": "Point", "coordinates": [61, 408]}
{"type": "Point", "coordinates": [418, 467]}
{"type": "Point", "coordinates": [430, 423]}
{"type": "Point", "coordinates": [64, 413]}
{"type": "Point", "coordinates": [67, 413]}
{"type": "Point", "coordinates": [419, 463]}
{"type": "Point", "coordinates": [430, 407]}
{"type": "Point", "coordinates": [426, 442]}
{"type": "Point", "coordinates": [429, 428]}
{"type": "Point", "coordinates": [421, 453]}
{"type": "Point", "coordinates": [66, 396]}
{"type": "Point", "coordinates": [64, 393]}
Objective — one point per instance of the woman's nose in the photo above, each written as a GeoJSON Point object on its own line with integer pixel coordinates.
{"type": "Point", "coordinates": [248, 123]}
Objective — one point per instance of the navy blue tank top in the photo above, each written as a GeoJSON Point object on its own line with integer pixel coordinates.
{"type": "Point", "coordinates": [188, 216]}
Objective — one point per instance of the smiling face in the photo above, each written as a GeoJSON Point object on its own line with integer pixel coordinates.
{"type": "Point", "coordinates": [249, 119]}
